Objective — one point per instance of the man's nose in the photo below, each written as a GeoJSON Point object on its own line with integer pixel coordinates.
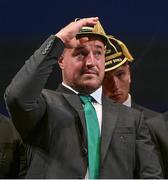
{"type": "Point", "coordinates": [115, 83]}
{"type": "Point", "coordinates": [90, 61]}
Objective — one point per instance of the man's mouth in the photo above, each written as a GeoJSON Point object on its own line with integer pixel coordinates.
{"type": "Point", "coordinates": [90, 71]}
{"type": "Point", "coordinates": [115, 96]}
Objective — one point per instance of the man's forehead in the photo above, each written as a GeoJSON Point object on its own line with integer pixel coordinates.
{"type": "Point", "coordinates": [91, 43]}
{"type": "Point", "coordinates": [121, 68]}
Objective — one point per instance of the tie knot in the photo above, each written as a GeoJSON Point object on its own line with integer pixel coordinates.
{"type": "Point", "coordinates": [85, 99]}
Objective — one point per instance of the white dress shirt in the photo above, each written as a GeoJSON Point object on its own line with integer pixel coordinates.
{"type": "Point", "coordinates": [128, 101]}
{"type": "Point", "coordinates": [97, 95]}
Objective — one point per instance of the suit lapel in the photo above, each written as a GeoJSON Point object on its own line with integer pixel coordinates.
{"type": "Point", "coordinates": [109, 119]}
{"type": "Point", "coordinates": [75, 102]}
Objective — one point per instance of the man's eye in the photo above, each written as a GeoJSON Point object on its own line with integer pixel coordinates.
{"type": "Point", "coordinates": [98, 53]}
{"type": "Point", "coordinates": [120, 74]}
{"type": "Point", "coordinates": [80, 55]}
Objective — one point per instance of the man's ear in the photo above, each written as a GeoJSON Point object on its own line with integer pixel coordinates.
{"type": "Point", "coordinates": [129, 73]}
{"type": "Point", "coordinates": [130, 78]}
{"type": "Point", "coordinates": [60, 62]}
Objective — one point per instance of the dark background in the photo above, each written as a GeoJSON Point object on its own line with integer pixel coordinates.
{"type": "Point", "coordinates": [142, 25]}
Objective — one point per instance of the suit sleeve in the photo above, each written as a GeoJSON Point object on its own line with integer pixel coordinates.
{"type": "Point", "coordinates": [146, 154]}
{"type": "Point", "coordinates": [23, 96]}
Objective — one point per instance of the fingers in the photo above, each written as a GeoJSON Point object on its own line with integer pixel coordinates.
{"type": "Point", "coordinates": [88, 21]}
{"type": "Point", "coordinates": [68, 33]}
{"type": "Point", "coordinates": [83, 40]}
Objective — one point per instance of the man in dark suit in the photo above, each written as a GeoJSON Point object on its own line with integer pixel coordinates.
{"type": "Point", "coordinates": [116, 84]}
{"type": "Point", "coordinates": [159, 130]}
{"type": "Point", "coordinates": [12, 162]}
{"type": "Point", "coordinates": [53, 123]}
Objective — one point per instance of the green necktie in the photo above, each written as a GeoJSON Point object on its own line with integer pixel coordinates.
{"type": "Point", "coordinates": [93, 136]}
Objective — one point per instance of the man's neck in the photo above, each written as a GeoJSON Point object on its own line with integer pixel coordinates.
{"type": "Point", "coordinates": [97, 95]}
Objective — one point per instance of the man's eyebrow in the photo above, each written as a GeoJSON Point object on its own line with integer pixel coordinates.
{"type": "Point", "coordinates": [100, 47]}
{"type": "Point", "coordinates": [80, 48]}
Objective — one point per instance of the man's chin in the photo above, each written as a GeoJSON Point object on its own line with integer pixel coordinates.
{"type": "Point", "coordinates": [90, 86]}
{"type": "Point", "coordinates": [90, 76]}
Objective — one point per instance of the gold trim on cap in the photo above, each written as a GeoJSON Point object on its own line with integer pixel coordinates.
{"type": "Point", "coordinates": [116, 66]}
{"type": "Point", "coordinates": [124, 48]}
{"type": "Point", "coordinates": [113, 56]}
{"type": "Point", "coordinates": [87, 28]}
{"type": "Point", "coordinates": [111, 43]}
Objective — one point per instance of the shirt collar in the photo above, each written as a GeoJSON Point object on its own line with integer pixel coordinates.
{"type": "Point", "coordinates": [128, 101]}
{"type": "Point", "coordinates": [97, 95]}
{"type": "Point", "coordinates": [76, 92]}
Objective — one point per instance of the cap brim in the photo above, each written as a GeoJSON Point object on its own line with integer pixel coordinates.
{"type": "Point", "coordinates": [103, 37]}
{"type": "Point", "coordinates": [111, 67]}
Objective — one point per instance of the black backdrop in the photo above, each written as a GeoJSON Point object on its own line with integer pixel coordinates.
{"type": "Point", "coordinates": [142, 25]}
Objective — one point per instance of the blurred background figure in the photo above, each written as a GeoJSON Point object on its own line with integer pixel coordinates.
{"type": "Point", "coordinates": [11, 151]}
{"type": "Point", "coordinates": [159, 130]}
{"type": "Point", "coordinates": [117, 80]}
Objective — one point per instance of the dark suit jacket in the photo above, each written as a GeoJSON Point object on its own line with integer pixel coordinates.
{"type": "Point", "coordinates": [148, 113]}
{"type": "Point", "coordinates": [159, 130]}
{"type": "Point", "coordinates": [52, 124]}
{"type": "Point", "coordinates": [10, 150]}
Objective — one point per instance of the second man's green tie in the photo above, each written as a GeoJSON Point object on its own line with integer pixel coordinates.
{"type": "Point", "coordinates": [93, 137]}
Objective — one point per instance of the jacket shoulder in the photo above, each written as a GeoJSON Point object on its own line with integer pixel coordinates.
{"type": "Point", "coordinates": [148, 113]}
